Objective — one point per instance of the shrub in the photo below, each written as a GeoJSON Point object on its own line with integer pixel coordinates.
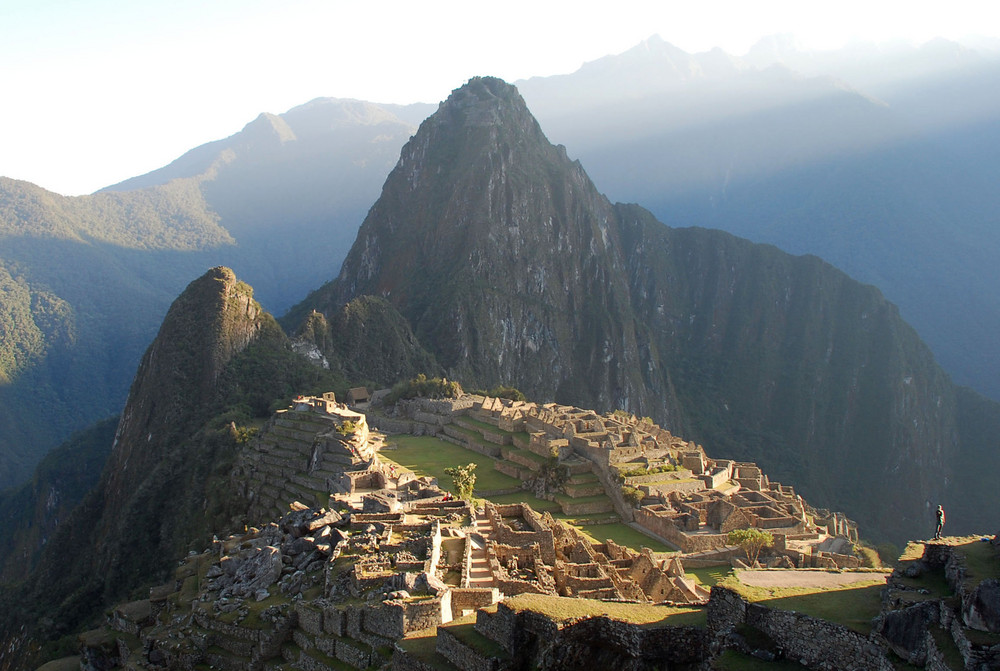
{"type": "Point", "coordinates": [464, 479]}
{"type": "Point", "coordinates": [423, 387]}
{"type": "Point", "coordinates": [633, 495]}
{"type": "Point", "coordinates": [751, 541]}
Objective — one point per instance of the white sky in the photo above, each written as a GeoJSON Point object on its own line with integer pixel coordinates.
{"type": "Point", "coordinates": [96, 91]}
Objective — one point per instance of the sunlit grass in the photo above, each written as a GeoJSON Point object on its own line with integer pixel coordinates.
{"type": "Point", "coordinates": [852, 605]}
{"type": "Point", "coordinates": [560, 609]}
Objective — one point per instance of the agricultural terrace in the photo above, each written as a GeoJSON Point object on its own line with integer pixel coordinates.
{"type": "Point", "coordinates": [426, 455]}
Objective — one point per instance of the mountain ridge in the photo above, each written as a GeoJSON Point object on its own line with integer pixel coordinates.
{"type": "Point", "coordinates": [513, 270]}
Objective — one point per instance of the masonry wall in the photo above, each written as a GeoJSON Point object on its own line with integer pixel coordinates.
{"type": "Point", "coordinates": [662, 526]}
{"type": "Point", "coordinates": [817, 644]}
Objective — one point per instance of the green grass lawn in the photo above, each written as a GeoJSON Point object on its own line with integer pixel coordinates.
{"type": "Point", "coordinates": [625, 535]}
{"type": "Point", "coordinates": [853, 605]}
{"type": "Point", "coordinates": [426, 455]}
{"type": "Point", "coordinates": [485, 426]}
{"type": "Point", "coordinates": [561, 608]}
{"type": "Point", "coordinates": [709, 575]}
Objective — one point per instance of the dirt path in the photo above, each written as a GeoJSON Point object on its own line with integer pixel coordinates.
{"type": "Point", "coordinates": [805, 578]}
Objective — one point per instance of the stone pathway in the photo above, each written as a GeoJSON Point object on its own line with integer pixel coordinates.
{"type": "Point", "coordinates": [479, 569]}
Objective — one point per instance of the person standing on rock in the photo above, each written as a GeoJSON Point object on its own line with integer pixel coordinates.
{"type": "Point", "coordinates": [940, 523]}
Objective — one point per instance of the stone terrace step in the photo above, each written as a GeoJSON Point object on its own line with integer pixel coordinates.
{"type": "Point", "coordinates": [524, 458]}
{"type": "Point", "coordinates": [469, 650]}
{"type": "Point", "coordinates": [583, 478]}
{"type": "Point", "coordinates": [585, 506]}
{"type": "Point", "coordinates": [293, 434]}
{"type": "Point", "coordinates": [421, 648]}
{"type": "Point", "coordinates": [584, 490]}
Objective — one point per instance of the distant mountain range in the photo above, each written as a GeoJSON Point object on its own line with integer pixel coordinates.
{"type": "Point", "coordinates": [886, 172]}
{"type": "Point", "coordinates": [491, 256]}
{"type": "Point", "coordinates": [878, 160]}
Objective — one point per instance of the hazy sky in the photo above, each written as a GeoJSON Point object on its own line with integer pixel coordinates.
{"type": "Point", "coordinates": [96, 91]}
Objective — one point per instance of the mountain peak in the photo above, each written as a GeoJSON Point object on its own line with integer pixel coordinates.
{"type": "Point", "coordinates": [481, 102]}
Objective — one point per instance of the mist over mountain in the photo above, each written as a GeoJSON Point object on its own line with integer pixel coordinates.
{"type": "Point", "coordinates": [512, 269]}
{"type": "Point", "coordinates": [875, 159]}
{"type": "Point", "coordinates": [890, 178]}
{"type": "Point", "coordinates": [85, 281]}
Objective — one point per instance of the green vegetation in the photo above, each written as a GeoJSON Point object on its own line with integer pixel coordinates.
{"type": "Point", "coordinates": [751, 540]}
{"type": "Point", "coordinates": [870, 557]}
{"type": "Point", "coordinates": [502, 391]}
{"type": "Point", "coordinates": [426, 455]}
{"type": "Point", "coordinates": [853, 606]}
{"type": "Point", "coordinates": [622, 534]}
{"type": "Point", "coordinates": [643, 470]}
{"type": "Point", "coordinates": [463, 478]}
{"type": "Point", "coordinates": [464, 630]}
{"type": "Point", "coordinates": [709, 575]}
{"type": "Point", "coordinates": [422, 387]}
{"type": "Point", "coordinates": [346, 428]}
{"type": "Point", "coordinates": [561, 609]}
{"type": "Point", "coordinates": [423, 646]}
{"type": "Point", "coordinates": [633, 495]}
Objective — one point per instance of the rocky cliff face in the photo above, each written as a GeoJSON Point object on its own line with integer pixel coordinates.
{"type": "Point", "coordinates": [213, 319]}
{"type": "Point", "coordinates": [512, 269]}
{"type": "Point", "coordinates": [217, 360]}
{"type": "Point", "coordinates": [502, 255]}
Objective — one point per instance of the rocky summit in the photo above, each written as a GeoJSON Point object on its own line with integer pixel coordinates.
{"type": "Point", "coordinates": [511, 268]}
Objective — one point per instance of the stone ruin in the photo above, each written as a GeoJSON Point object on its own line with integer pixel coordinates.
{"type": "Point", "coordinates": [680, 495]}
{"type": "Point", "coordinates": [533, 553]}
{"type": "Point", "coordinates": [372, 555]}
{"type": "Point", "coordinates": [314, 448]}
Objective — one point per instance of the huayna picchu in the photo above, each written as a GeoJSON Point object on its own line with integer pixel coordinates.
{"type": "Point", "coordinates": [511, 268]}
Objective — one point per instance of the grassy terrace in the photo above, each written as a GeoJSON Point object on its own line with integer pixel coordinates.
{"type": "Point", "coordinates": [981, 563]}
{"type": "Point", "coordinates": [426, 455]}
{"type": "Point", "coordinates": [561, 609]}
{"type": "Point", "coordinates": [625, 535]}
{"type": "Point", "coordinates": [709, 575]}
{"type": "Point", "coordinates": [853, 606]}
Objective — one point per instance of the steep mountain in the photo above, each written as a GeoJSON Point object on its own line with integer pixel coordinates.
{"type": "Point", "coordinates": [30, 514]}
{"type": "Point", "coordinates": [513, 269]}
{"type": "Point", "coordinates": [292, 189]}
{"type": "Point", "coordinates": [85, 281]}
{"type": "Point", "coordinates": [218, 361]}
{"type": "Point", "coordinates": [875, 159]}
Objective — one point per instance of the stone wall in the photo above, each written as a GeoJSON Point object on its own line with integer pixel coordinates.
{"type": "Point", "coordinates": [503, 533]}
{"type": "Point", "coordinates": [459, 654]}
{"type": "Point", "coordinates": [472, 598]}
{"type": "Point", "coordinates": [814, 643]}
{"type": "Point", "coordinates": [636, 480]}
{"type": "Point", "coordinates": [663, 526]}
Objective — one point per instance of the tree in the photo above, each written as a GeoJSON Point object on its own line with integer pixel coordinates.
{"type": "Point", "coordinates": [751, 541]}
{"type": "Point", "coordinates": [463, 479]}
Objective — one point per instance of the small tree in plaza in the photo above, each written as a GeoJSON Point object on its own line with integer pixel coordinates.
{"type": "Point", "coordinates": [751, 540]}
{"type": "Point", "coordinates": [464, 479]}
